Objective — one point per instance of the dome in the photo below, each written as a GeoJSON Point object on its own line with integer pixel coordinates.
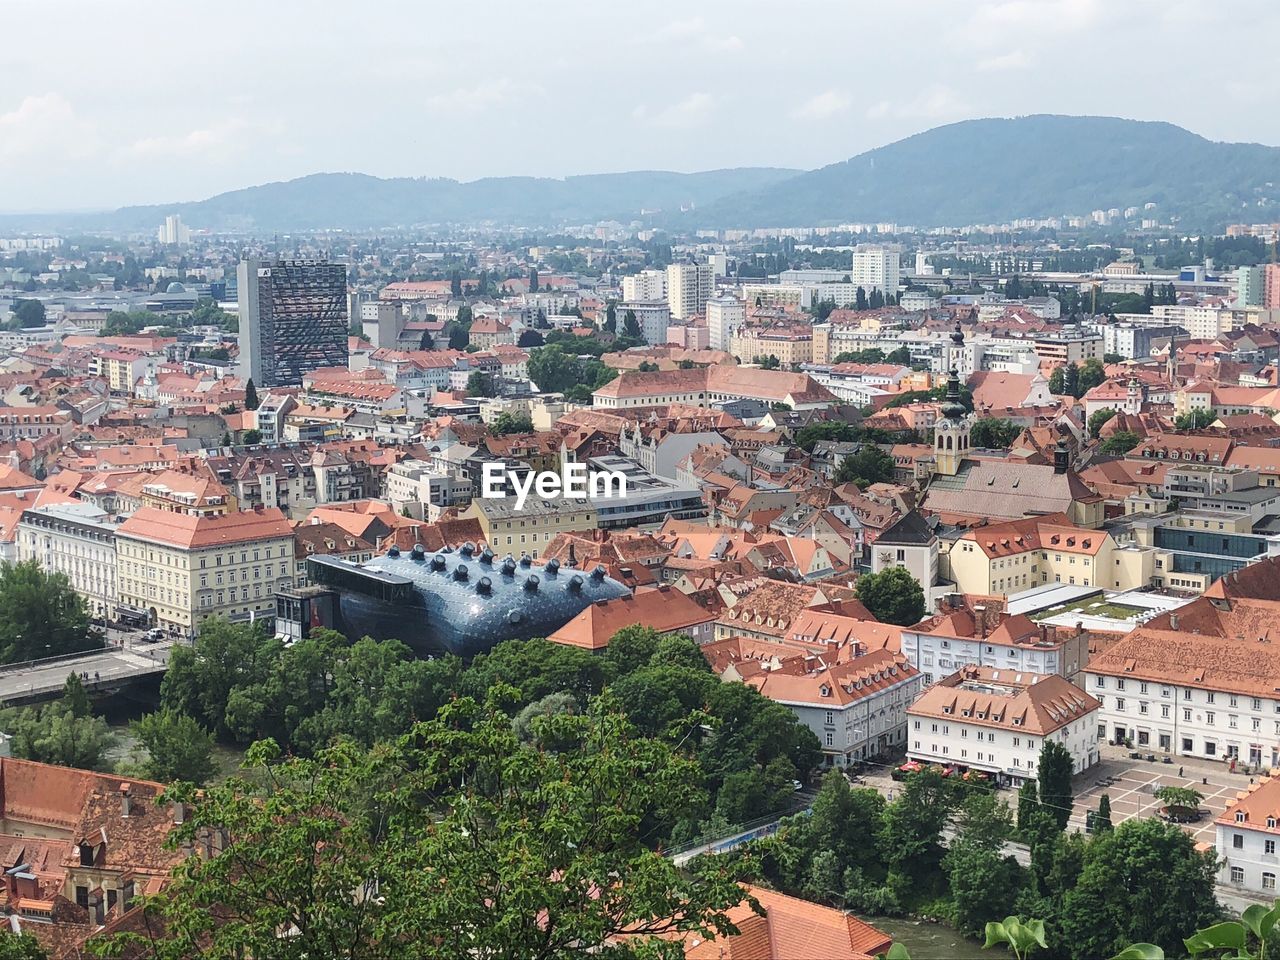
{"type": "Point", "coordinates": [957, 335]}
{"type": "Point", "coordinates": [175, 287]}
{"type": "Point", "coordinates": [441, 604]}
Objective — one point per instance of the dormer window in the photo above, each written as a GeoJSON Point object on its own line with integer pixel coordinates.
{"type": "Point", "coordinates": [1241, 816]}
{"type": "Point", "coordinates": [1271, 822]}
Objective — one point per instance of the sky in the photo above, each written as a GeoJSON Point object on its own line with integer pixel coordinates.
{"type": "Point", "coordinates": [141, 101]}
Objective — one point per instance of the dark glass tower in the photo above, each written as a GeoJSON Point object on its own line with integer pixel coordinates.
{"type": "Point", "coordinates": [293, 319]}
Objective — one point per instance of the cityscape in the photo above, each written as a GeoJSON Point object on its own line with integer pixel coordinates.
{"type": "Point", "coordinates": [800, 548]}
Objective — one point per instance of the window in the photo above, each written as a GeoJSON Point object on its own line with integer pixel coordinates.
{"type": "Point", "coordinates": [1269, 846]}
{"type": "Point", "coordinates": [1237, 874]}
{"type": "Point", "coordinates": [1237, 841]}
{"type": "Point", "coordinates": [830, 738]}
{"type": "Point", "coordinates": [1208, 717]}
{"type": "Point", "coordinates": [1186, 714]}
{"type": "Point", "coordinates": [1268, 881]}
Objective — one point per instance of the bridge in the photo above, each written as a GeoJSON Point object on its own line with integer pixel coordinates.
{"type": "Point", "coordinates": [107, 671]}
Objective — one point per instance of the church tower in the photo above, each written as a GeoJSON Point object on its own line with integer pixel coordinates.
{"type": "Point", "coordinates": [951, 432]}
{"type": "Point", "coordinates": [1133, 399]}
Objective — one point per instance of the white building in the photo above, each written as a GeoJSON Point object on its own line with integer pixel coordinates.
{"type": "Point", "coordinates": [653, 316]}
{"type": "Point", "coordinates": [910, 543]}
{"type": "Point", "coordinates": [689, 287]}
{"type": "Point", "coordinates": [1247, 832]}
{"type": "Point", "coordinates": [725, 315]}
{"type": "Point", "coordinates": [645, 285]}
{"type": "Point", "coordinates": [76, 539]}
{"type": "Point", "coordinates": [876, 267]}
{"type": "Point", "coordinates": [997, 721]}
{"type": "Point", "coordinates": [174, 231]}
{"type": "Point", "coordinates": [1017, 644]}
{"type": "Point", "coordinates": [857, 709]}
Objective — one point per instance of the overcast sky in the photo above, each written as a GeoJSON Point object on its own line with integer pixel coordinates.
{"type": "Point", "coordinates": [135, 101]}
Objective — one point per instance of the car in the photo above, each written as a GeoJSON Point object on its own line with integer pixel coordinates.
{"type": "Point", "coordinates": [154, 634]}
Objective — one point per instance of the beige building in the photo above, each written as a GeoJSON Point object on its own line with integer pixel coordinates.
{"type": "Point", "coordinates": [182, 568]}
{"type": "Point", "coordinates": [531, 528]}
{"type": "Point", "coordinates": [791, 345]}
{"type": "Point", "coordinates": [1004, 558]}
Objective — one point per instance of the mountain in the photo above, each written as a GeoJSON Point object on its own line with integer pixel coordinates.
{"type": "Point", "coordinates": [358, 201]}
{"type": "Point", "coordinates": [975, 171]}
{"type": "Point", "coordinates": [995, 170]}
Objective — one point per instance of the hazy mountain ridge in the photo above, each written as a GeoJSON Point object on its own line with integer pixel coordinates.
{"type": "Point", "coordinates": [974, 171]}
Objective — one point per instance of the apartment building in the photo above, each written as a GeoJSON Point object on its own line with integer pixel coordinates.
{"type": "Point", "coordinates": [791, 345]}
{"type": "Point", "coordinates": [179, 569]}
{"type": "Point", "coordinates": [689, 287]}
{"type": "Point", "coordinates": [652, 316]}
{"type": "Point", "coordinates": [876, 267]}
{"type": "Point", "coordinates": [646, 286]}
{"type": "Point", "coordinates": [997, 720]}
{"type": "Point", "coordinates": [77, 539]}
{"type": "Point", "coordinates": [724, 316]}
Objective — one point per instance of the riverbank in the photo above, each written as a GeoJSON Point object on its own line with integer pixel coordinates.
{"type": "Point", "coordinates": [926, 940]}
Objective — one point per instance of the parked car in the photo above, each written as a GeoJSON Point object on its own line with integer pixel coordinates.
{"type": "Point", "coordinates": [154, 634]}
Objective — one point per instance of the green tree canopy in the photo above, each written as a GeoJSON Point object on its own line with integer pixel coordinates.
{"type": "Point", "coordinates": [545, 850]}
{"type": "Point", "coordinates": [41, 615]}
{"type": "Point", "coordinates": [178, 748]}
{"type": "Point", "coordinates": [993, 433]}
{"type": "Point", "coordinates": [1055, 768]}
{"type": "Point", "coordinates": [505, 423]}
{"type": "Point", "coordinates": [869, 465]}
{"type": "Point", "coordinates": [1098, 418]}
{"type": "Point", "coordinates": [893, 596]}
{"type": "Point", "coordinates": [1120, 442]}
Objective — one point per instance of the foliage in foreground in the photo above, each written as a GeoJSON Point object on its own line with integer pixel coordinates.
{"type": "Point", "coordinates": [456, 840]}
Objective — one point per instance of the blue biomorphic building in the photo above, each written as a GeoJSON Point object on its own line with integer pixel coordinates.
{"type": "Point", "coordinates": [453, 601]}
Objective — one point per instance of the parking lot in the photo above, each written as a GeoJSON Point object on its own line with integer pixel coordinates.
{"type": "Point", "coordinates": [1133, 784]}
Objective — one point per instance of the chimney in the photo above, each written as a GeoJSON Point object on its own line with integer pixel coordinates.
{"type": "Point", "coordinates": [1173, 621]}
{"type": "Point", "coordinates": [1044, 633]}
{"type": "Point", "coordinates": [179, 812]}
{"type": "Point", "coordinates": [124, 799]}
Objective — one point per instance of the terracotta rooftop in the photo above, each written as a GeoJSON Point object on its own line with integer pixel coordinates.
{"type": "Point", "coordinates": [664, 609]}
{"type": "Point", "coordinates": [195, 532]}
{"type": "Point", "coordinates": [1038, 703]}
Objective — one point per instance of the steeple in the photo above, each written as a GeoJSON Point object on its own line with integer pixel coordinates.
{"type": "Point", "coordinates": [951, 432]}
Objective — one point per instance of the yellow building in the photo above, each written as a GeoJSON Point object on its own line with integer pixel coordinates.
{"type": "Point", "coordinates": [531, 528]}
{"type": "Point", "coordinates": [791, 345]}
{"type": "Point", "coordinates": [1004, 558]}
{"type": "Point", "coordinates": [180, 568]}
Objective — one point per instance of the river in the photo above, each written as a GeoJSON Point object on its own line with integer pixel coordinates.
{"type": "Point", "coordinates": [931, 941]}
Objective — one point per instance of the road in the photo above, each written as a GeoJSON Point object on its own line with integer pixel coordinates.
{"type": "Point", "coordinates": [101, 669]}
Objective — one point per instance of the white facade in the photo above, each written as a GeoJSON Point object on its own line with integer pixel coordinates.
{"type": "Point", "coordinates": [725, 316]}
{"type": "Point", "coordinates": [689, 287]}
{"type": "Point", "coordinates": [653, 317]}
{"type": "Point", "coordinates": [174, 231]}
{"type": "Point", "coordinates": [78, 540]}
{"type": "Point", "coordinates": [867, 726]}
{"type": "Point", "coordinates": [875, 267]}
{"type": "Point", "coordinates": [645, 285]}
{"type": "Point", "coordinates": [1187, 721]}
{"type": "Point", "coordinates": [939, 656]}
{"type": "Point", "coordinates": [1248, 852]}
{"type": "Point", "coordinates": [1008, 752]}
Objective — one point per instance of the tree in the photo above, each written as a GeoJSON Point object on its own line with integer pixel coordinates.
{"type": "Point", "coordinates": [480, 384]}
{"type": "Point", "coordinates": [1179, 801]}
{"type": "Point", "coordinates": [252, 436]}
{"type": "Point", "coordinates": [533, 280]}
{"type": "Point", "coordinates": [860, 299]}
{"type": "Point", "coordinates": [1091, 375]}
{"type": "Point", "coordinates": [530, 338]}
{"type": "Point", "coordinates": [1098, 418]}
{"type": "Point", "coordinates": [910, 838]}
{"type": "Point", "coordinates": [893, 596]}
{"type": "Point", "coordinates": [21, 946]}
{"type": "Point", "coordinates": [1028, 804]}
{"type": "Point", "coordinates": [1071, 380]}
{"type": "Point", "coordinates": [544, 848]}
{"type": "Point", "coordinates": [459, 336]}
{"type": "Point", "coordinates": [455, 284]}
{"type": "Point", "coordinates": [870, 355]}
{"type": "Point", "coordinates": [993, 433]}
{"type": "Point", "coordinates": [178, 748]}
{"type": "Point", "coordinates": [630, 325]}
{"type": "Point", "coordinates": [29, 313]}
{"type": "Point", "coordinates": [611, 318]}
{"type": "Point", "coordinates": [1168, 888]}
{"type": "Point", "coordinates": [64, 732]}
{"type": "Point", "coordinates": [768, 363]}
{"type": "Point", "coordinates": [1055, 767]}
{"type": "Point", "coordinates": [1194, 420]}
{"type": "Point", "coordinates": [250, 395]}
{"type": "Point", "coordinates": [1102, 822]}
{"type": "Point", "coordinates": [869, 465]}
{"type": "Point", "coordinates": [505, 423]}
{"type": "Point", "coordinates": [1120, 442]}
{"type": "Point", "coordinates": [1057, 382]}
{"type": "Point", "coordinates": [41, 615]}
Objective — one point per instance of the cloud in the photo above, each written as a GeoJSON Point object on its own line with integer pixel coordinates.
{"type": "Point", "coordinates": [727, 44]}
{"type": "Point", "coordinates": [682, 29]}
{"type": "Point", "coordinates": [482, 96]}
{"type": "Point", "coordinates": [202, 142]}
{"type": "Point", "coordinates": [689, 112]}
{"type": "Point", "coordinates": [1013, 60]}
{"type": "Point", "coordinates": [825, 105]}
{"type": "Point", "coordinates": [40, 122]}
{"type": "Point", "coordinates": [695, 31]}
{"type": "Point", "coordinates": [938, 102]}
{"type": "Point", "coordinates": [995, 21]}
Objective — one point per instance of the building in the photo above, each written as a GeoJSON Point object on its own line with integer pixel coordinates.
{"type": "Point", "coordinates": [1199, 681]}
{"type": "Point", "coordinates": [529, 529]}
{"type": "Point", "coordinates": [179, 569]}
{"type": "Point", "coordinates": [293, 319]}
{"type": "Point", "coordinates": [652, 316]}
{"type": "Point", "coordinates": [1271, 286]}
{"type": "Point", "coordinates": [174, 231]}
{"type": "Point", "coordinates": [910, 543]}
{"type": "Point", "coordinates": [981, 634]}
{"type": "Point", "coordinates": [876, 267]}
{"type": "Point", "coordinates": [1247, 832]}
{"type": "Point", "coordinates": [1250, 286]}
{"type": "Point", "coordinates": [857, 709]}
{"type": "Point", "coordinates": [707, 386]}
{"type": "Point", "coordinates": [724, 316]}
{"type": "Point", "coordinates": [645, 286]}
{"type": "Point", "coordinates": [689, 287]}
{"type": "Point", "coordinates": [79, 540]}
{"type": "Point", "coordinates": [1016, 555]}
{"type": "Point", "coordinates": [997, 720]}
{"type": "Point", "coordinates": [666, 610]}
{"type": "Point", "coordinates": [791, 345]}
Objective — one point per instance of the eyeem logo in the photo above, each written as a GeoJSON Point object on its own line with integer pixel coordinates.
{"type": "Point", "coordinates": [574, 481]}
